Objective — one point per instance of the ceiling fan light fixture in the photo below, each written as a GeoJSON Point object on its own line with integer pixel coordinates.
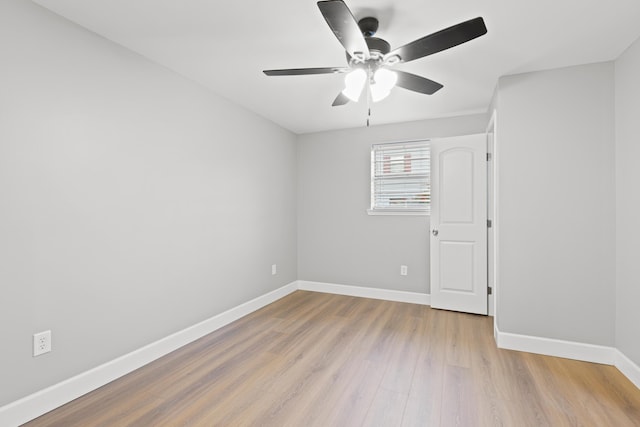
{"type": "Point", "coordinates": [354, 83]}
{"type": "Point", "coordinates": [378, 92]}
{"type": "Point", "coordinates": [383, 81]}
{"type": "Point", "coordinates": [387, 79]}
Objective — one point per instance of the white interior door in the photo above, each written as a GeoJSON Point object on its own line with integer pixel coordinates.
{"type": "Point", "coordinates": [459, 223]}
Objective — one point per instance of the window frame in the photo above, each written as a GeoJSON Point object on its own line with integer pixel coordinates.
{"type": "Point", "coordinates": [373, 210]}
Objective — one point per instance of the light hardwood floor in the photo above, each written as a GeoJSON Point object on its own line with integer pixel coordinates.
{"type": "Point", "coordinates": [313, 359]}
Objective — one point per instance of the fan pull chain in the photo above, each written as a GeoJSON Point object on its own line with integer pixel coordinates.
{"type": "Point", "coordinates": [369, 78]}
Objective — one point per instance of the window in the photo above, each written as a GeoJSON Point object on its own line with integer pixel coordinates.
{"type": "Point", "coordinates": [400, 178]}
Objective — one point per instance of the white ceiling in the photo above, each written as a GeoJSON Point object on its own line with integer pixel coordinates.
{"type": "Point", "coordinates": [226, 45]}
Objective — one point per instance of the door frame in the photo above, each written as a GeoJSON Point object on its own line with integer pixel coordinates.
{"type": "Point", "coordinates": [492, 214]}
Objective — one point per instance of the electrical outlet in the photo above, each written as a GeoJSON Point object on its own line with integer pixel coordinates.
{"type": "Point", "coordinates": [41, 343]}
{"type": "Point", "coordinates": [274, 269]}
{"type": "Point", "coordinates": [403, 270]}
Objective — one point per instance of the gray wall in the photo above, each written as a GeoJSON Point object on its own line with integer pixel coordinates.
{"type": "Point", "coordinates": [627, 70]}
{"type": "Point", "coordinates": [133, 203]}
{"type": "Point", "coordinates": [557, 204]}
{"type": "Point", "coordinates": [337, 241]}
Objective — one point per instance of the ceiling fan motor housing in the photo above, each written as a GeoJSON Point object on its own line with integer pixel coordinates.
{"type": "Point", "coordinates": [378, 45]}
{"type": "Point", "coordinates": [378, 48]}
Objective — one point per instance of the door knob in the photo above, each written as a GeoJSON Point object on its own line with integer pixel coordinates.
{"type": "Point", "coordinates": [434, 232]}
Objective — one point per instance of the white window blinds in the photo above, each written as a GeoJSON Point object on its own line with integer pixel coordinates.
{"type": "Point", "coordinates": [400, 177]}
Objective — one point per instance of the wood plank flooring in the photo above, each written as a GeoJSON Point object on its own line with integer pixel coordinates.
{"type": "Point", "coordinates": [313, 359]}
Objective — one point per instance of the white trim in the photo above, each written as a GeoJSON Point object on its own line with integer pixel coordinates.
{"type": "Point", "coordinates": [385, 212]}
{"type": "Point", "coordinates": [570, 350]}
{"type": "Point", "coordinates": [558, 348]}
{"type": "Point", "coordinates": [45, 400]}
{"type": "Point", "coordinates": [627, 367]}
{"type": "Point", "coordinates": [493, 257]}
{"type": "Point", "coordinates": [359, 291]}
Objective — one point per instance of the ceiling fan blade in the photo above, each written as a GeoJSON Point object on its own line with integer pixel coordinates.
{"type": "Point", "coordinates": [417, 83]}
{"type": "Point", "coordinates": [345, 27]}
{"type": "Point", "coordinates": [306, 71]}
{"type": "Point", "coordinates": [441, 40]}
{"type": "Point", "coordinates": [341, 99]}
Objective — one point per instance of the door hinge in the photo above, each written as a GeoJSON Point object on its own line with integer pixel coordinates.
{"type": "Point", "coordinates": [489, 290]}
{"type": "Point", "coordinates": [488, 156]}
{"type": "Point", "coordinates": [489, 223]}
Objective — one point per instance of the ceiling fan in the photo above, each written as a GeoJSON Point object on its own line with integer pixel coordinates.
{"type": "Point", "coordinates": [370, 58]}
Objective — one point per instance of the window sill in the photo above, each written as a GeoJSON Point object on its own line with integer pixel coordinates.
{"type": "Point", "coordinates": [410, 213]}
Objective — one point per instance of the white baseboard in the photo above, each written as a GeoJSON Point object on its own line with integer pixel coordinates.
{"type": "Point", "coordinates": [627, 367]}
{"type": "Point", "coordinates": [570, 350]}
{"type": "Point", "coordinates": [43, 401]}
{"type": "Point", "coordinates": [558, 348]}
{"type": "Point", "coordinates": [359, 291]}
